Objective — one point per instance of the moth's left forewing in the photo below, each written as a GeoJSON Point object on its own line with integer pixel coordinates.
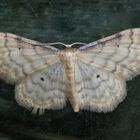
{"type": "Point", "coordinates": [19, 57]}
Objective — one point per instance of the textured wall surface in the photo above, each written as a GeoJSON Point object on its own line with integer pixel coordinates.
{"type": "Point", "coordinates": [69, 21]}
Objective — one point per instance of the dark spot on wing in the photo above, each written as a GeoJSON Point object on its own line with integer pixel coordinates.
{"type": "Point", "coordinates": [18, 38]}
{"type": "Point", "coordinates": [42, 79]}
{"type": "Point", "coordinates": [118, 35]}
{"type": "Point", "coordinates": [98, 76]}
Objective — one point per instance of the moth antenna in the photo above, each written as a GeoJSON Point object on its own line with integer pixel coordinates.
{"type": "Point", "coordinates": [56, 43]}
{"type": "Point", "coordinates": [66, 45]}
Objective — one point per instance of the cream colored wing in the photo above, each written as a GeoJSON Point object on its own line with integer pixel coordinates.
{"type": "Point", "coordinates": [36, 70]}
{"type": "Point", "coordinates": [119, 53]}
{"type": "Point", "coordinates": [97, 89]}
{"type": "Point", "coordinates": [43, 90]}
{"type": "Point", "coordinates": [103, 68]}
{"type": "Point", "coordinates": [19, 57]}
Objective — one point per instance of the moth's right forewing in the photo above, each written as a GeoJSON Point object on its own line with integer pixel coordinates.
{"type": "Point", "coordinates": [119, 53]}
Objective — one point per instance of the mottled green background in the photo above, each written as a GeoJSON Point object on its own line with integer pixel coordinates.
{"type": "Point", "coordinates": [69, 21]}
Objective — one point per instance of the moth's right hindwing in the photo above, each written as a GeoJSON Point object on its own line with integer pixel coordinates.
{"type": "Point", "coordinates": [97, 89]}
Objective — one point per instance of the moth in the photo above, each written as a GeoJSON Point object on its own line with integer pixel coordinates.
{"type": "Point", "coordinates": [91, 77]}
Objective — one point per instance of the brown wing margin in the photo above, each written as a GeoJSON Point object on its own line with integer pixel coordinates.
{"type": "Point", "coordinates": [105, 40]}
{"type": "Point", "coordinates": [24, 40]}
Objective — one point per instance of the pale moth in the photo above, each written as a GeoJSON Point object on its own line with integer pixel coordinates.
{"type": "Point", "coordinates": [91, 77]}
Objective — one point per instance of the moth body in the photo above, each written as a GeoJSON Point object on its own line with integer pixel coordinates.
{"type": "Point", "coordinates": [92, 77]}
{"type": "Point", "coordinates": [68, 59]}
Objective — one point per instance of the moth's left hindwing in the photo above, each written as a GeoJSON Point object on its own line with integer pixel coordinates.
{"type": "Point", "coordinates": [44, 89]}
